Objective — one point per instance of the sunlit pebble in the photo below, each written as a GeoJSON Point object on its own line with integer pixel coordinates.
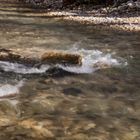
{"type": "Point", "coordinates": [131, 56]}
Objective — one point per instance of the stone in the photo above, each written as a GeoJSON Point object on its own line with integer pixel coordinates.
{"type": "Point", "coordinates": [51, 57]}
{"type": "Point", "coordinates": [61, 58]}
{"type": "Point", "coordinates": [72, 91]}
{"type": "Point", "coordinates": [14, 57]}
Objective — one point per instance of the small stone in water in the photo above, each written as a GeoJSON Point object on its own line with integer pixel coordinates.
{"type": "Point", "coordinates": [72, 91]}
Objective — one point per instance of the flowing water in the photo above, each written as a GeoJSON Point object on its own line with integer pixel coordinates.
{"type": "Point", "coordinates": [98, 100]}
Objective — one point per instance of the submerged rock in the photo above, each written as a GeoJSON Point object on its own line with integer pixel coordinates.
{"type": "Point", "coordinates": [72, 91]}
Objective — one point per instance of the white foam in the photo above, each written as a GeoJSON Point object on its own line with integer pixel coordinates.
{"type": "Point", "coordinates": [7, 89]}
{"type": "Point", "coordinates": [92, 60]}
{"type": "Point", "coordinates": [19, 68]}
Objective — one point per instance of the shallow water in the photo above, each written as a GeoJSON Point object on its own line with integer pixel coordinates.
{"type": "Point", "coordinates": [96, 101]}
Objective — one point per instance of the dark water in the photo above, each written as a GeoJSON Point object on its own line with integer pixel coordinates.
{"type": "Point", "coordinates": [88, 104]}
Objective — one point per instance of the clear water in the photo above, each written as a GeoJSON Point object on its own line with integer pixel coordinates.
{"type": "Point", "coordinates": [92, 103]}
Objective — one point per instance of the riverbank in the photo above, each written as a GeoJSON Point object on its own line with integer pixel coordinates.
{"type": "Point", "coordinates": [120, 23]}
{"type": "Point", "coordinates": [125, 16]}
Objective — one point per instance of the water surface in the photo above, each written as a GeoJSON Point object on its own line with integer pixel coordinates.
{"type": "Point", "coordinates": [82, 103]}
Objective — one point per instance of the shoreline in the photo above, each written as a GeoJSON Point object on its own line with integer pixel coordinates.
{"type": "Point", "coordinates": [128, 21]}
{"type": "Point", "coordinates": [125, 17]}
{"type": "Point", "coordinates": [131, 24]}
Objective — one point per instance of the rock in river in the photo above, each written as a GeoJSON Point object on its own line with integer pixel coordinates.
{"type": "Point", "coordinates": [50, 57]}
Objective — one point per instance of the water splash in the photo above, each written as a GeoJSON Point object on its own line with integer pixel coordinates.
{"type": "Point", "coordinates": [8, 89]}
{"type": "Point", "coordinates": [92, 60]}
{"type": "Point", "coordinates": [22, 69]}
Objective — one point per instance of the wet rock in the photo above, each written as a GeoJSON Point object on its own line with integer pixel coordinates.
{"type": "Point", "coordinates": [57, 72]}
{"type": "Point", "coordinates": [61, 58]}
{"type": "Point", "coordinates": [14, 57]}
{"type": "Point", "coordinates": [7, 55]}
{"type": "Point", "coordinates": [72, 91]}
{"type": "Point", "coordinates": [51, 57]}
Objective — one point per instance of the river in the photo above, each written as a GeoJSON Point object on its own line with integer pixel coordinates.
{"type": "Point", "coordinates": [98, 100]}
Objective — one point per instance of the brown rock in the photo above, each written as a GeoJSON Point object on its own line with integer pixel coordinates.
{"type": "Point", "coordinates": [51, 57]}
{"type": "Point", "coordinates": [8, 55]}
{"type": "Point", "coordinates": [11, 56]}
{"type": "Point", "coordinates": [61, 58]}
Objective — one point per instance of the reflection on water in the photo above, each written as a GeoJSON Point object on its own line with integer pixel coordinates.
{"type": "Point", "coordinates": [101, 102]}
